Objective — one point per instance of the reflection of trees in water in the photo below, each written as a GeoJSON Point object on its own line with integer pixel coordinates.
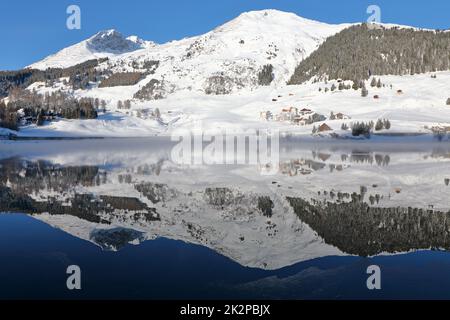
{"type": "Point", "coordinates": [115, 239]}
{"type": "Point", "coordinates": [30, 177]}
{"type": "Point", "coordinates": [19, 179]}
{"type": "Point", "coordinates": [155, 192]}
{"type": "Point", "coordinates": [439, 154]}
{"type": "Point", "coordinates": [356, 156]}
{"type": "Point", "coordinates": [83, 206]}
{"type": "Point", "coordinates": [379, 159]}
{"type": "Point", "coordinates": [148, 169]}
{"type": "Point", "coordinates": [339, 197]}
{"type": "Point", "coordinates": [356, 228]}
{"type": "Point", "coordinates": [320, 159]}
{"type": "Point", "coordinates": [300, 167]}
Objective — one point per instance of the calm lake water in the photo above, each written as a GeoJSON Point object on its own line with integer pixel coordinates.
{"type": "Point", "coordinates": [142, 226]}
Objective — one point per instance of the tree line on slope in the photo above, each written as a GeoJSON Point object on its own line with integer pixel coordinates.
{"type": "Point", "coordinates": [78, 76]}
{"type": "Point", "coordinates": [26, 107]}
{"type": "Point", "coordinates": [359, 52]}
{"type": "Point", "coordinates": [122, 79]}
{"type": "Point", "coordinates": [141, 69]}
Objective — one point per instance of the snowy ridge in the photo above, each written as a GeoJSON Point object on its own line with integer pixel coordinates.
{"type": "Point", "coordinates": [104, 44]}
{"type": "Point", "coordinates": [238, 48]}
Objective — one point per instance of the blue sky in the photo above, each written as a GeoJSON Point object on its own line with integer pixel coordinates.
{"type": "Point", "coordinates": [32, 30]}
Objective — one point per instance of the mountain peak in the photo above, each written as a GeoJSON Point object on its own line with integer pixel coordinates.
{"type": "Point", "coordinates": [112, 41]}
{"type": "Point", "coordinates": [278, 22]}
{"type": "Point", "coordinates": [106, 43]}
{"type": "Point", "coordinates": [274, 16]}
{"type": "Point", "coordinates": [107, 33]}
{"type": "Point", "coordinates": [265, 36]}
{"type": "Point", "coordinates": [141, 42]}
{"type": "Point", "coordinates": [267, 13]}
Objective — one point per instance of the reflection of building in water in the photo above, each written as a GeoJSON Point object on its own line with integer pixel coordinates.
{"type": "Point", "coordinates": [307, 167]}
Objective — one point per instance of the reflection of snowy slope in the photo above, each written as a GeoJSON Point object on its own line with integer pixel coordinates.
{"type": "Point", "coordinates": [222, 207]}
{"type": "Point", "coordinates": [251, 239]}
{"type": "Point", "coordinates": [237, 229]}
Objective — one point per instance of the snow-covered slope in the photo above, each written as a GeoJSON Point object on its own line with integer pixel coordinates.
{"type": "Point", "coordinates": [240, 48]}
{"type": "Point", "coordinates": [105, 44]}
{"type": "Point", "coordinates": [236, 50]}
{"type": "Point", "coordinates": [420, 107]}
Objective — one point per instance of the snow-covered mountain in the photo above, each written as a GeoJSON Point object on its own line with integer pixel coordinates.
{"type": "Point", "coordinates": [235, 75]}
{"type": "Point", "coordinates": [104, 44]}
{"type": "Point", "coordinates": [236, 50]}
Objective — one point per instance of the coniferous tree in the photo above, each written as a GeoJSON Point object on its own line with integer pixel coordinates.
{"type": "Point", "coordinates": [122, 79]}
{"type": "Point", "coordinates": [364, 91]}
{"type": "Point", "coordinates": [332, 116]}
{"type": "Point", "coordinates": [266, 76]}
{"type": "Point", "coordinates": [373, 83]}
{"type": "Point", "coordinates": [379, 125]}
{"type": "Point", "coordinates": [157, 113]}
{"type": "Point", "coordinates": [362, 129]}
{"type": "Point", "coordinates": [379, 85]}
{"type": "Point", "coordinates": [103, 105]}
{"type": "Point", "coordinates": [2, 110]}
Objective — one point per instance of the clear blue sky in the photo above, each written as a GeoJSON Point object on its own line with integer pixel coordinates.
{"type": "Point", "coordinates": [32, 30]}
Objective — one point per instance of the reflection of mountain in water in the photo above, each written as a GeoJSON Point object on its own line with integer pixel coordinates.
{"type": "Point", "coordinates": [245, 225]}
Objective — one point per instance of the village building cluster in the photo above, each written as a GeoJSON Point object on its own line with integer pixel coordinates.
{"type": "Point", "coordinates": [293, 115]}
{"type": "Point", "coordinates": [302, 117]}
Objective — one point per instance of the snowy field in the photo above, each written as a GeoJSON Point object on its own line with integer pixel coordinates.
{"type": "Point", "coordinates": [420, 106]}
